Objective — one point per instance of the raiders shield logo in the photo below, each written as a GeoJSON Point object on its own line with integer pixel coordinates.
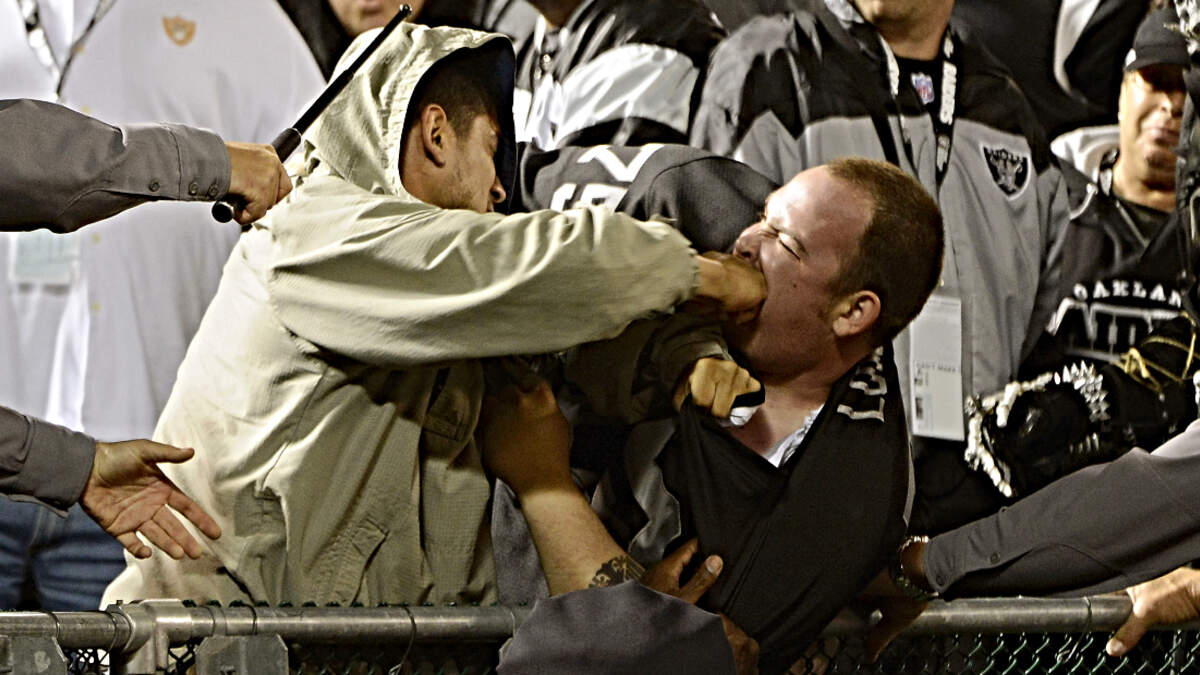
{"type": "Point", "coordinates": [180, 30]}
{"type": "Point", "coordinates": [1009, 169]}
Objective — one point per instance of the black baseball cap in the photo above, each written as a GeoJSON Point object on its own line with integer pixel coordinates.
{"type": "Point", "coordinates": [1156, 44]}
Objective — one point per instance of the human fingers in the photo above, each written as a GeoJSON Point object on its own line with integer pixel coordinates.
{"type": "Point", "coordinates": [681, 393]}
{"type": "Point", "coordinates": [703, 388]}
{"type": "Point", "coordinates": [177, 533]}
{"type": "Point", "coordinates": [745, 648]}
{"type": "Point", "coordinates": [254, 179]}
{"type": "Point", "coordinates": [156, 536]}
{"type": "Point", "coordinates": [737, 382]}
{"type": "Point", "coordinates": [1128, 635]}
{"type": "Point", "coordinates": [134, 545]}
{"type": "Point", "coordinates": [664, 575]}
{"type": "Point", "coordinates": [702, 580]}
{"type": "Point", "coordinates": [707, 379]}
{"type": "Point", "coordinates": [816, 658]}
{"type": "Point", "coordinates": [537, 397]}
{"type": "Point", "coordinates": [746, 288]}
{"type": "Point", "coordinates": [715, 383]}
{"type": "Point", "coordinates": [284, 186]}
{"type": "Point", "coordinates": [153, 452]}
{"type": "Point", "coordinates": [897, 614]}
{"type": "Point", "coordinates": [192, 511]}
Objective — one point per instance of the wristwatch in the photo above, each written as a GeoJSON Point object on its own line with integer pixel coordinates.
{"type": "Point", "coordinates": [904, 583]}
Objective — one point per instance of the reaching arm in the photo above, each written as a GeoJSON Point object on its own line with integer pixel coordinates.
{"type": "Point", "coordinates": [64, 170]}
{"type": "Point", "coordinates": [43, 462]}
{"type": "Point", "coordinates": [127, 495]}
{"type": "Point", "coordinates": [425, 285]}
{"type": "Point", "coordinates": [1069, 539]}
{"type": "Point", "coordinates": [526, 443]}
{"type": "Point", "coordinates": [118, 484]}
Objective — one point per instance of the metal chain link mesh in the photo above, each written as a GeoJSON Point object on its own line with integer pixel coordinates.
{"type": "Point", "coordinates": [1160, 652]}
{"type": "Point", "coordinates": [86, 661]}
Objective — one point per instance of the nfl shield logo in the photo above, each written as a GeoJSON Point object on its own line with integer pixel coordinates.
{"type": "Point", "coordinates": [1009, 169]}
{"type": "Point", "coordinates": [924, 86]}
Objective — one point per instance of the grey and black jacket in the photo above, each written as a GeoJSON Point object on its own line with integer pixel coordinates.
{"type": "Point", "coordinates": [618, 71]}
{"type": "Point", "coordinates": [1118, 283]}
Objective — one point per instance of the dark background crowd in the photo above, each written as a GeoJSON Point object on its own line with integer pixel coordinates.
{"type": "Point", "coordinates": [1021, 240]}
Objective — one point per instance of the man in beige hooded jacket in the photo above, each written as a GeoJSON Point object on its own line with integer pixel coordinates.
{"type": "Point", "coordinates": [333, 388]}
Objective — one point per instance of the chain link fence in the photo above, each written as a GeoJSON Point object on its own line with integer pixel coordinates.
{"type": "Point", "coordinates": [995, 636]}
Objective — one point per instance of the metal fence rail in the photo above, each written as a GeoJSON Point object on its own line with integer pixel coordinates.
{"type": "Point", "coordinates": [977, 635]}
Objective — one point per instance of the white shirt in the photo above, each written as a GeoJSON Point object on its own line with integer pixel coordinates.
{"type": "Point", "coordinates": [145, 277]}
{"type": "Point", "coordinates": [29, 313]}
{"type": "Point", "coordinates": [788, 445]}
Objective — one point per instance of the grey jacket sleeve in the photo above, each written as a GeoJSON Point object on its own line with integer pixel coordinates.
{"type": "Point", "coordinates": [626, 628]}
{"type": "Point", "coordinates": [43, 462]}
{"type": "Point", "coordinates": [1099, 529]}
{"type": "Point", "coordinates": [63, 170]}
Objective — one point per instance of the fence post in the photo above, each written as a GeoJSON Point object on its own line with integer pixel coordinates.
{"type": "Point", "coordinates": [40, 655]}
{"type": "Point", "coordinates": [155, 625]}
{"type": "Point", "coordinates": [242, 655]}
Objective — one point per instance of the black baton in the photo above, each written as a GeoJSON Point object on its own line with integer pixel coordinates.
{"type": "Point", "coordinates": [289, 139]}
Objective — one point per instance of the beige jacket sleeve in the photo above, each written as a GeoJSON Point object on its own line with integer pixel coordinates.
{"type": "Point", "coordinates": [403, 287]}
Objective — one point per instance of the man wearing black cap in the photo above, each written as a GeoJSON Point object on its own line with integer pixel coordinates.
{"type": "Point", "coordinates": [1126, 271]}
{"type": "Point", "coordinates": [1122, 264]}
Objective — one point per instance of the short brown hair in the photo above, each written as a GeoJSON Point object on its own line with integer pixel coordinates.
{"type": "Point", "coordinates": [464, 84]}
{"type": "Point", "coordinates": [899, 257]}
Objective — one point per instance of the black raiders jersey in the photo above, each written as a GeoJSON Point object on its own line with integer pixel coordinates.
{"type": "Point", "coordinates": [710, 198]}
{"type": "Point", "coordinates": [1124, 272]}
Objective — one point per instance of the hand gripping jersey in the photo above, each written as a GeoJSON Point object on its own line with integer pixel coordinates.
{"type": "Point", "coordinates": [800, 540]}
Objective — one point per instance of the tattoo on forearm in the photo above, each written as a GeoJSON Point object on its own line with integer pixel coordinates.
{"type": "Point", "coordinates": [619, 569]}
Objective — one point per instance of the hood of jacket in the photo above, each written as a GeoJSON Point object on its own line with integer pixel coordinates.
{"type": "Point", "coordinates": [359, 135]}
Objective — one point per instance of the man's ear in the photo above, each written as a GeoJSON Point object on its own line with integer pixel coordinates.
{"type": "Point", "coordinates": [436, 135]}
{"type": "Point", "coordinates": [856, 313]}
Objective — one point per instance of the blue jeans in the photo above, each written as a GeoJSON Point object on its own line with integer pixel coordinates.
{"type": "Point", "coordinates": [67, 562]}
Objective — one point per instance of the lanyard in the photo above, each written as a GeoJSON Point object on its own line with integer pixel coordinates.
{"type": "Point", "coordinates": [943, 122]}
{"type": "Point", "coordinates": [1105, 179]}
{"type": "Point", "coordinates": [35, 33]}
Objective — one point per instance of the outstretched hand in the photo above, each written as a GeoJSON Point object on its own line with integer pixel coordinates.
{"type": "Point", "coordinates": [127, 494]}
{"type": "Point", "coordinates": [256, 178]}
{"type": "Point", "coordinates": [664, 578]}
